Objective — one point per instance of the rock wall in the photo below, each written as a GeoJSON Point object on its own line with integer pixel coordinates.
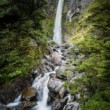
{"type": "Point", "coordinates": [75, 7]}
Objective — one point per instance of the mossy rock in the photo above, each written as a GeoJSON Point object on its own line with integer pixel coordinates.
{"type": "Point", "coordinates": [29, 93]}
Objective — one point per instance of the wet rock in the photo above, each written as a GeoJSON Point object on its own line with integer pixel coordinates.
{"type": "Point", "coordinates": [9, 94]}
{"type": "Point", "coordinates": [53, 76]}
{"type": "Point", "coordinates": [57, 47]}
{"type": "Point", "coordinates": [47, 57]}
{"type": "Point", "coordinates": [49, 69]}
{"type": "Point", "coordinates": [72, 106]}
{"type": "Point", "coordinates": [62, 92]}
{"type": "Point", "coordinates": [55, 85]}
{"type": "Point", "coordinates": [2, 107]}
{"type": "Point", "coordinates": [27, 105]}
{"type": "Point", "coordinates": [29, 93]}
{"type": "Point", "coordinates": [49, 49]}
{"type": "Point", "coordinates": [56, 58]}
{"type": "Point", "coordinates": [28, 97]}
{"type": "Point", "coordinates": [66, 46]}
{"type": "Point", "coordinates": [60, 71]}
{"type": "Point", "coordinates": [58, 104]}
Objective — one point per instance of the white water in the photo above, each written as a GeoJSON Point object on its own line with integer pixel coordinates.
{"type": "Point", "coordinates": [57, 37]}
{"type": "Point", "coordinates": [41, 84]}
{"type": "Point", "coordinates": [15, 103]}
{"type": "Point", "coordinates": [11, 105]}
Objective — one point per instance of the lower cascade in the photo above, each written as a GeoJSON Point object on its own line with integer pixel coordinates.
{"type": "Point", "coordinates": [41, 83]}
{"type": "Point", "coordinates": [48, 91]}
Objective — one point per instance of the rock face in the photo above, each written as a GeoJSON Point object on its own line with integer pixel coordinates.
{"type": "Point", "coordinates": [76, 6]}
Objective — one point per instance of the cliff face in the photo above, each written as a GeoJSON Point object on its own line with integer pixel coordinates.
{"type": "Point", "coordinates": [75, 7]}
{"type": "Point", "coordinates": [74, 4]}
{"type": "Point", "coordinates": [71, 7]}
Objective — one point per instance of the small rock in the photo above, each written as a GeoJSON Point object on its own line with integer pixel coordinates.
{"type": "Point", "coordinates": [60, 71]}
{"type": "Point", "coordinates": [49, 49]}
{"type": "Point", "coordinates": [62, 92]}
{"type": "Point", "coordinates": [66, 46]}
{"type": "Point", "coordinates": [55, 85]}
{"type": "Point", "coordinates": [72, 106]}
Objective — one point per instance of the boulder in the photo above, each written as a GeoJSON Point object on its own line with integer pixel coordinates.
{"type": "Point", "coordinates": [58, 104]}
{"type": "Point", "coordinates": [29, 93]}
{"type": "Point", "coordinates": [56, 58]}
{"type": "Point", "coordinates": [28, 97]}
{"type": "Point", "coordinates": [55, 85]}
{"type": "Point", "coordinates": [60, 71]}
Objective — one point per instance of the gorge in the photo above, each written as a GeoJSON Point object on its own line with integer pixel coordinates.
{"type": "Point", "coordinates": [54, 66]}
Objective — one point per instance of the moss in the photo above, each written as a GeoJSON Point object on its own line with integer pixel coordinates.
{"type": "Point", "coordinates": [93, 39]}
{"type": "Point", "coordinates": [18, 61]}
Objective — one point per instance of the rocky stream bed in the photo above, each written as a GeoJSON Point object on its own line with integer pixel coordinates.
{"type": "Point", "coordinates": [64, 58]}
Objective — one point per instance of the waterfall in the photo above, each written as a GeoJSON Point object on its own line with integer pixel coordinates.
{"type": "Point", "coordinates": [41, 84]}
{"type": "Point", "coordinates": [57, 37]}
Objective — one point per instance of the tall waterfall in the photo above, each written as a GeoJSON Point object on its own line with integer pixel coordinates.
{"type": "Point", "coordinates": [57, 37]}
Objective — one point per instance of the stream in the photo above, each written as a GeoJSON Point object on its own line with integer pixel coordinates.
{"type": "Point", "coordinates": [45, 84]}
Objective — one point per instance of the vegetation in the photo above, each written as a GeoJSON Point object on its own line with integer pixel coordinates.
{"type": "Point", "coordinates": [92, 36]}
{"type": "Point", "coordinates": [22, 38]}
{"type": "Point", "coordinates": [24, 31]}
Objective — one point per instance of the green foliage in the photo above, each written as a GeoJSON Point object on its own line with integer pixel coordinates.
{"type": "Point", "coordinates": [22, 40]}
{"type": "Point", "coordinates": [47, 26]}
{"type": "Point", "coordinates": [92, 36]}
{"type": "Point", "coordinates": [96, 105]}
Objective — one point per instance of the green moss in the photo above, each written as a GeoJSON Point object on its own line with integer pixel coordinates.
{"type": "Point", "coordinates": [92, 36]}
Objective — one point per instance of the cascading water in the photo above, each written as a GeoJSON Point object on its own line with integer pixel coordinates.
{"type": "Point", "coordinates": [57, 37]}
{"type": "Point", "coordinates": [41, 84]}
